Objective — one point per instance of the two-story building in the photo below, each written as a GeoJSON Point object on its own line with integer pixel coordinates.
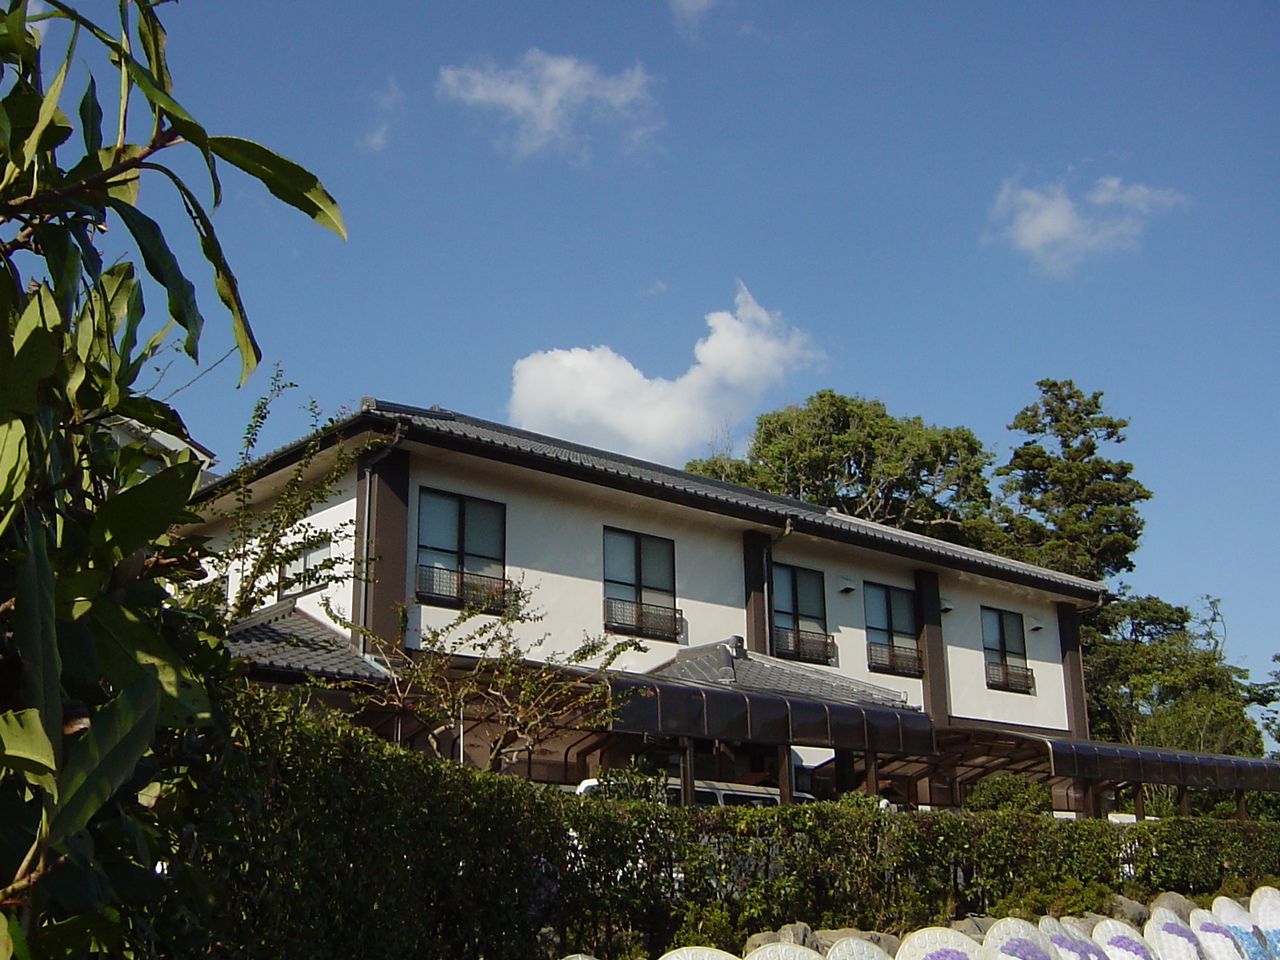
{"type": "Point", "coordinates": [781, 639]}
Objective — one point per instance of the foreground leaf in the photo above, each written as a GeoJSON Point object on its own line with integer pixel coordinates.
{"type": "Point", "coordinates": [293, 184]}
{"type": "Point", "coordinates": [105, 756]}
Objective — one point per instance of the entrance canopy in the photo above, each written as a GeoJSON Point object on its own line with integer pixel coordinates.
{"type": "Point", "coordinates": [675, 708]}
{"type": "Point", "coordinates": [975, 752]}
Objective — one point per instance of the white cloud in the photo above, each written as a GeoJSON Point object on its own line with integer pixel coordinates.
{"type": "Point", "coordinates": [553, 100]}
{"type": "Point", "coordinates": [655, 288]}
{"type": "Point", "coordinates": [598, 397]}
{"type": "Point", "coordinates": [689, 14]}
{"type": "Point", "coordinates": [1059, 232]}
{"type": "Point", "coordinates": [386, 104]}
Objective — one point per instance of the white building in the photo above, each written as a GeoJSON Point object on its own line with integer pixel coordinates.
{"type": "Point", "coordinates": [775, 630]}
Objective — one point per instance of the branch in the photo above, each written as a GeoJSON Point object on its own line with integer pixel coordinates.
{"type": "Point", "coordinates": [163, 139]}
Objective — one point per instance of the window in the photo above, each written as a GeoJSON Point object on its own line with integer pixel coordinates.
{"type": "Point", "coordinates": [461, 551]}
{"type": "Point", "coordinates": [800, 615]}
{"type": "Point", "coordinates": [1005, 647]}
{"type": "Point", "coordinates": [304, 572]}
{"type": "Point", "coordinates": [892, 644]}
{"type": "Point", "coordinates": [640, 585]}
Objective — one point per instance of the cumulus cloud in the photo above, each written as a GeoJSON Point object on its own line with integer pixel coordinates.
{"type": "Point", "coordinates": [598, 397]}
{"type": "Point", "coordinates": [386, 104]}
{"type": "Point", "coordinates": [688, 14]}
{"type": "Point", "coordinates": [1058, 231]}
{"type": "Point", "coordinates": [556, 101]}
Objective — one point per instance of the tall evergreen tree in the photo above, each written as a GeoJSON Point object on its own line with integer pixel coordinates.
{"type": "Point", "coordinates": [1069, 508]}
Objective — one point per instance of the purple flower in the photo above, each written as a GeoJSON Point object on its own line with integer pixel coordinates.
{"type": "Point", "coordinates": [947, 953]}
{"type": "Point", "coordinates": [1024, 949]}
{"type": "Point", "coordinates": [1131, 945]}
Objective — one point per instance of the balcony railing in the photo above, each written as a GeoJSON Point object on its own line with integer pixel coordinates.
{"type": "Point", "coordinates": [1008, 676]}
{"type": "Point", "coordinates": [646, 620]}
{"type": "Point", "coordinates": [807, 646]}
{"type": "Point", "coordinates": [890, 658]}
{"type": "Point", "coordinates": [459, 588]}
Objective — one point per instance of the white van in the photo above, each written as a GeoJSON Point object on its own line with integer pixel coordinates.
{"type": "Point", "coordinates": [715, 793]}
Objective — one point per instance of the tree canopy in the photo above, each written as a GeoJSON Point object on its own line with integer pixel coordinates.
{"type": "Point", "coordinates": [850, 453]}
{"type": "Point", "coordinates": [1154, 673]}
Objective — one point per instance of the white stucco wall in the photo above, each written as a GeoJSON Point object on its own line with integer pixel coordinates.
{"type": "Point", "coordinates": [966, 676]}
{"type": "Point", "coordinates": [340, 509]}
{"type": "Point", "coordinates": [555, 548]}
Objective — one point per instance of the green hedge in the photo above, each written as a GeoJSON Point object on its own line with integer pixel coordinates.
{"type": "Point", "coordinates": [323, 841]}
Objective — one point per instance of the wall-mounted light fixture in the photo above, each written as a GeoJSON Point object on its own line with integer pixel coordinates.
{"type": "Point", "coordinates": [947, 606]}
{"type": "Point", "coordinates": [847, 586]}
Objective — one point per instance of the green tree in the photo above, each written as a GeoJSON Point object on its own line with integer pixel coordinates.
{"type": "Point", "coordinates": [852, 454]}
{"type": "Point", "coordinates": [108, 707]}
{"type": "Point", "coordinates": [1156, 675]}
{"type": "Point", "coordinates": [1068, 507]}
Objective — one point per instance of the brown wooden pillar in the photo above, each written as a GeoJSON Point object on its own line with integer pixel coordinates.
{"type": "Point", "coordinates": [686, 772]}
{"type": "Point", "coordinates": [845, 774]}
{"type": "Point", "coordinates": [382, 541]}
{"type": "Point", "coordinates": [1242, 806]}
{"type": "Point", "coordinates": [1184, 802]}
{"type": "Point", "coordinates": [786, 775]}
{"type": "Point", "coordinates": [1073, 670]}
{"type": "Point", "coordinates": [932, 647]}
{"type": "Point", "coordinates": [1139, 802]}
{"type": "Point", "coordinates": [755, 572]}
{"type": "Point", "coordinates": [871, 786]}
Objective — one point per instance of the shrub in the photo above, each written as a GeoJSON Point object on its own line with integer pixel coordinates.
{"type": "Point", "coordinates": [1010, 791]}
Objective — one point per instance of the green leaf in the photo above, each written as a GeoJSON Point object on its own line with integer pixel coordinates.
{"type": "Point", "coordinates": [105, 756]}
{"type": "Point", "coordinates": [129, 649]}
{"type": "Point", "coordinates": [49, 105]}
{"type": "Point", "coordinates": [162, 265]}
{"type": "Point", "coordinates": [151, 31]}
{"type": "Point", "coordinates": [223, 279]}
{"type": "Point", "coordinates": [35, 633]}
{"type": "Point", "coordinates": [14, 467]}
{"type": "Point", "coordinates": [137, 515]}
{"type": "Point", "coordinates": [91, 118]}
{"type": "Point", "coordinates": [23, 743]}
{"type": "Point", "coordinates": [293, 184]}
{"type": "Point", "coordinates": [150, 412]}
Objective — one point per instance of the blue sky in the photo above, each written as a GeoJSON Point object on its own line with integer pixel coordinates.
{"type": "Point", "coordinates": [641, 224]}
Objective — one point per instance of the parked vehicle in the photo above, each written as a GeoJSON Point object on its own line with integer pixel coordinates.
{"type": "Point", "coordinates": [715, 793]}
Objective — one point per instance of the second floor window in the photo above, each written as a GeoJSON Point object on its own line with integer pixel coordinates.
{"type": "Point", "coordinates": [640, 585]}
{"type": "Point", "coordinates": [303, 572]}
{"type": "Point", "coordinates": [461, 550]}
{"type": "Point", "coordinates": [1004, 645]}
{"type": "Point", "coordinates": [892, 644]}
{"type": "Point", "coordinates": [800, 615]}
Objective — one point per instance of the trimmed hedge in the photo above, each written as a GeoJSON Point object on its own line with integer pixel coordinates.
{"type": "Point", "coordinates": [325, 842]}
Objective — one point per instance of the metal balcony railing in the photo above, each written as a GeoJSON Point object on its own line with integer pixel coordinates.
{"type": "Point", "coordinates": [459, 588]}
{"type": "Point", "coordinates": [1008, 676]}
{"type": "Point", "coordinates": [888, 658]}
{"type": "Point", "coordinates": [807, 646]}
{"type": "Point", "coordinates": [648, 620]}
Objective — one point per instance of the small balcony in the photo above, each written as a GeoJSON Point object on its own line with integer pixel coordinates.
{"type": "Point", "coordinates": [453, 588]}
{"type": "Point", "coordinates": [806, 646]}
{"type": "Point", "coordinates": [647, 620]}
{"type": "Point", "coordinates": [900, 661]}
{"type": "Point", "coordinates": [1010, 677]}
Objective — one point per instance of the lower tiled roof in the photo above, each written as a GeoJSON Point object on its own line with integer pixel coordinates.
{"type": "Point", "coordinates": [283, 638]}
{"type": "Point", "coordinates": [729, 664]}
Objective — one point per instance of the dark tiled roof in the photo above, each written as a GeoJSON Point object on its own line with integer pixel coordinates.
{"type": "Point", "coordinates": [727, 663]}
{"type": "Point", "coordinates": [282, 638]}
{"type": "Point", "coordinates": [485, 437]}
{"type": "Point", "coordinates": [496, 441]}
